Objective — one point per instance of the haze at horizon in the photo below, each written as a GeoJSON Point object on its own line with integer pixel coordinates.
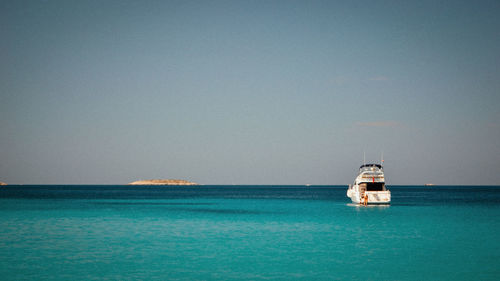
{"type": "Point", "coordinates": [249, 92]}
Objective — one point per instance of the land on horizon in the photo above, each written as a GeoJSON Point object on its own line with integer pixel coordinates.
{"type": "Point", "coordinates": [162, 182]}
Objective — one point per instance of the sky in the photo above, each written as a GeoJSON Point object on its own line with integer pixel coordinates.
{"type": "Point", "coordinates": [249, 92]}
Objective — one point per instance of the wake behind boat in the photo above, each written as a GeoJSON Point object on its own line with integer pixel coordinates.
{"type": "Point", "coordinates": [369, 186]}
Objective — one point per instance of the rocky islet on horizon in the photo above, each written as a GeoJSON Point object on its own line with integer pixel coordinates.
{"type": "Point", "coordinates": [163, 182]}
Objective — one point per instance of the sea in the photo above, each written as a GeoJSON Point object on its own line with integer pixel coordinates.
{"type": "Point", "coordinates": [123, 232]}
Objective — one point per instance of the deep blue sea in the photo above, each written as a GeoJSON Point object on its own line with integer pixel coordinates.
{"type": "Point", "coordinates": [247, 233]}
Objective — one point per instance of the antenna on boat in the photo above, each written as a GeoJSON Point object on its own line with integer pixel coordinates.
{"type": "Point", "coordinates": [382, 158]}
{"type": "Point", "coordinates": [364, 157]}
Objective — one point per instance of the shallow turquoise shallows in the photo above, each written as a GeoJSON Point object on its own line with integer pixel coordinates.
{"type": "Point", "coordinates": [247, 233]}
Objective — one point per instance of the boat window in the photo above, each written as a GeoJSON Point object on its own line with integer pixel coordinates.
{"type": "Point", "coordinates": [375, 186]}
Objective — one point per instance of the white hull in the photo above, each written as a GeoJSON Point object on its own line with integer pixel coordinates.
{"type": "Point", "coordinates": [374, 197]}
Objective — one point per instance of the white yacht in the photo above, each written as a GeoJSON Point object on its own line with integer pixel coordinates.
{"type": "Point", "coordinates": [369, 186]}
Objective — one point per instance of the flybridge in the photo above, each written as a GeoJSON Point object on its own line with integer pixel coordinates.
{"type": "Point", "coordinates": [371, 165]}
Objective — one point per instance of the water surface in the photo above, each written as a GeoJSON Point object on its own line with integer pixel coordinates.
{"type": "Point", "coordinates": [247, 232]}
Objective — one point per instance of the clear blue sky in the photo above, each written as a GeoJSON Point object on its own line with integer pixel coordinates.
{"type": "Point", "coordinates": [249, 92]}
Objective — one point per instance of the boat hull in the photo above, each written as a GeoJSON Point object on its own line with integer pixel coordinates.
{"type": "Point", "coordinates": [374, 197]}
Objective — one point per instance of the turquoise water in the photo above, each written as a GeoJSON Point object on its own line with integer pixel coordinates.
{"type": "Point", "coordinates": [247, 233]}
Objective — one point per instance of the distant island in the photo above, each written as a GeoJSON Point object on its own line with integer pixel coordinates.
{"type": "Point", "coordinates": [163, 182]}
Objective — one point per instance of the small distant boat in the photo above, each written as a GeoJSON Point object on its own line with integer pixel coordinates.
{"type": "Point", "coordinates": [429, 184]}
{"type": "Point", "coordinates": [369, 186]}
